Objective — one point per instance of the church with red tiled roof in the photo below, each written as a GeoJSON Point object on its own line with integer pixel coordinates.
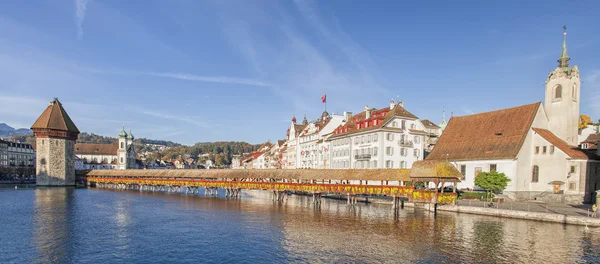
{"type": "Point", "coordinates": [118, 156]}
{"type": "Point", "coordinates": [534, 145]}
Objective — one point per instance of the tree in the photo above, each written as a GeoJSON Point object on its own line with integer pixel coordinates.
{"type": "Point", "coordinates": [492, 181]}
{"type": "Point", "coordinates": [584, 120]}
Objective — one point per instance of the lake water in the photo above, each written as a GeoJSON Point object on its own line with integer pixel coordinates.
{"type": "Point", "coordinates": [65, 225]}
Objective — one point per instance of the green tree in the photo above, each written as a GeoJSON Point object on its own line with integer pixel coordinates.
{"type": "Point", "coordinates": [492, 181]}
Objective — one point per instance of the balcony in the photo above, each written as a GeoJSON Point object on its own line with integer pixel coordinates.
{"type": "Point", "coordinates": [405, 143]}
{"type": "Point", "coordinates": [362, 157]}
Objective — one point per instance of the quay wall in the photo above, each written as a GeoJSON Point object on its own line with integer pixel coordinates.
{"type": "Point", "coordinates": [505, 213]}
{"type": "Point", "coordinates": [536, 216]}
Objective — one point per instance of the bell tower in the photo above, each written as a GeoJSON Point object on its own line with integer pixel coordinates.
{"type": "Point", "coordinates": [562, 97]}
{"type": "Point", "coordinates": [123, 147]}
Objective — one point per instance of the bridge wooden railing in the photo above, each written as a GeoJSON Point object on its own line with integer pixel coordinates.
{"type": "Point", "coordinates": [331, 188]}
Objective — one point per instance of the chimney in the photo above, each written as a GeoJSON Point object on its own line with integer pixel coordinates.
{"type": "Point", "coordinates": [367, 112]}
{"type": "Point", "coordinates": [401, 103]}
{"type": "Point", "coordinates": [347, 116]}
{"type": "Point", "coordinates": [392, 104]}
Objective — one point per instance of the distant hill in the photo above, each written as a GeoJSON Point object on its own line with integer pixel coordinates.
{"type": "Point", "coordinates": [7, 131]}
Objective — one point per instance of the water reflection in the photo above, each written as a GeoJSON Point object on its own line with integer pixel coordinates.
{"type": "Point", "coordinates": [104, 226]}
{"type": "Point", "coordinates": [52, 224]}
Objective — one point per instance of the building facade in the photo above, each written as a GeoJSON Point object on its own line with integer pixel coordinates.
{"type": "Point", "coordinates": [14, 154]}
{"type": "Point", "coordinates": [433, 135]}
{"type": "Point", "coordinates": [292, 151]}
{"type": "Point", "coordinates": [312, 145]}
{"type": "Point", "coordinates": [388, 138]}
{"type": "Point", "coordinates": [119, 156]}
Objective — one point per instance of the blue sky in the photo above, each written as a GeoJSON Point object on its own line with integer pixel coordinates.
{"type": "Point", "coordinates": [191, 71]}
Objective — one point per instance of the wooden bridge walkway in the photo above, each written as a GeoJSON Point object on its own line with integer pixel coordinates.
{"type": "Point", "coordinates": [396, 183]}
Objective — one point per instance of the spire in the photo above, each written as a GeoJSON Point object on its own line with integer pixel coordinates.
{"type": "Point", "coordinates": [443, 124]}
{"type": "Point", "coordinates": [130, 136]}
{"type": "Point", "coordinates": [123, 133]}
{"type": "Point", "coordinates": [563, 61]}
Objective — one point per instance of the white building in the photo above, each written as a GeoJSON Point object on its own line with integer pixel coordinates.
{"type": "Point", "coordinates": [291, 152]}
{"type": "Point", "coordinates": [15, 154]}
{"type": "Point", "coordinates": [433, 135]}
{"type": "Point", "coordinates": [534, 145]}
{"type": "Point", "coordinates": [312, 147]}
{"type": "Point", "coordinates": [584, 134]}
{"type": "Point", "coordinates": [236, 162]}
{"type": "Point", "coordinates": [119, 156]}
{"type": "Point", "coordinates": [387, 138]}
{"type": "Point", "coordinates": [262, 158]}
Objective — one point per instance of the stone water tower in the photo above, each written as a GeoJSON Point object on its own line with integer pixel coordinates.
{"type": "Point", "coordinates": [55, 135]}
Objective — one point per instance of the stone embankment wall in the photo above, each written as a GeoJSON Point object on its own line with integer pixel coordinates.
{"type": "Point", "coordinates": [546, 217]}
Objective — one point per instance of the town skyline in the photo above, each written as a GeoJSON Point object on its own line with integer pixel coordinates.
{"type": "Point", "coordinates": [171, 74]}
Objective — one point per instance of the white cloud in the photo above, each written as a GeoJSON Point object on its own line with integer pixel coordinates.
{"type": "Point", "coordinates": [280, 48]}
{"type": "Point", "coordinates": [80, 8]}
{"type": "Point", "coordinates": [213, 79]}
{"type": "Point", "coordinates": [169, 117]}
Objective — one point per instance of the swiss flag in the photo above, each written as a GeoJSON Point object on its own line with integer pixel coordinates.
{"type": "Point", "coordinates": [324, 98]}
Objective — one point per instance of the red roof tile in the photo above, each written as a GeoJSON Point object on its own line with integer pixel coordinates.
{"type": "Point", "coordinates": [491, 135]}
{"type": "Point", "coordinates": [56, 118]}
{"type": "Point", "coordinates": [429, 124]}
{"type": "Point", "coordinates": [593, 138]}
{"type": "Point", "coordinates": [383, 115]}
{"type": "Point", "coordinates": [571, 151]}
{"type": "Point", "coordinates": [96, 149]}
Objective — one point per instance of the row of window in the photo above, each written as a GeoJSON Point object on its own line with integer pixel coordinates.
{"type": "Point", "coordinates": [402, 124]}
{"type": "Point", "coordinates": [405, 138]}
{"type": "Point", "coordinates": [366, 151]}
{"type": "Point", "coordinates": [365, 139]}
{"type": "Point", "coordinates": [544, 149]}
{"type": "Point", "coordinates": [22, 150]}
{"type": "Point", "coordinates": [535, 172]}
{"type": "Point", "coordinates": [403, 152]}
{"type": "Point", "coordinates": [366, 164]}
{"type": "Point", "coordinates": [341, 142]}
{"type": "Point", "coordinates": [476, 171]}
{"type": "Point", "coordinates": [558, 92]}
{"type": "Point", "coordinates": [341, 153]}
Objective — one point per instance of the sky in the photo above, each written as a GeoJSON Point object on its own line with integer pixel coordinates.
{"type": "Point", "coordinates": [225, 70]}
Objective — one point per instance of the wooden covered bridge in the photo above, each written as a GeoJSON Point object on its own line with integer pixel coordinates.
{"type": "Point", "coordinates": [396, 183]}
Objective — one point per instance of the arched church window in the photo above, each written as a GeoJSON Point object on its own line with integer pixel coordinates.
{"type": "Point", "coordinates": [121, 159]}
{"type": "Point", "coordinates": [574, 92]}
{"type": "Point", "coordinates": [122, 145]}
{"type": "Point", "coordinates": [535, 173]}
{"type": "Point", "coordinates": [557, 92]}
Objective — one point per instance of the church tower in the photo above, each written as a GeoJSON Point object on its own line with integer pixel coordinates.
{"type": "Point", "coordinates": [122, 152]}
{"type": "Point", "coordinates": [562, 97]}
{"type": "Point", "coordinates": [55, 135]}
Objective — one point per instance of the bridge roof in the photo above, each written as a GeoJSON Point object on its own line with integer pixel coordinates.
{"type": "Point", "coordinates": [432, 170]}
{"type": "Point", "coordinates": [298, 174]}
